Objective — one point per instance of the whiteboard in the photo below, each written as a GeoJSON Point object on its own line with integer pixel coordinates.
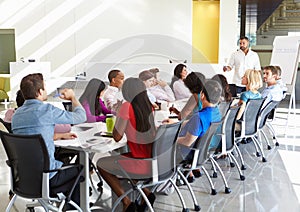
{"type": "Point", "coordinates": [286, 55]}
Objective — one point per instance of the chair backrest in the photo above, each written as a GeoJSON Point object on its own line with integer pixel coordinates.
{"type": "Point", "coordinates": [251, 115]}
{"type": "Point", "coordinates": [264, 113]}
{"type": "Point", "coordinates": [228, 128]}
{"type": "Point", "coordinates": [202, 143]}
{"type": "Point", "coordinates": [164, 149]}
{"type": "Point", "coordinates": [224, 107]}
{"type": "Point", "coordinates": [28, 158]}
{"type": "Point", "coordinates": [6, 124]}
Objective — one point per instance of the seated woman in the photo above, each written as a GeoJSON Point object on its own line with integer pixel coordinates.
{"type": "Point", "coordinates": [92, 103]}
{"type": "Point", "coordinates": [253, 81]}
{"type": "Point", "coordinates": [135, 119]}
{"type": "Point", "coordinates": [226, 94]}
{"type": "Point", "coordinates": [193, 104]}
{"type": "Point", "coordinates": [177, 84]}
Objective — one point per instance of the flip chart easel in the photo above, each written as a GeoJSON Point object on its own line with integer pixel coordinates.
{"type": "Point", "coordinates": [286, 55]}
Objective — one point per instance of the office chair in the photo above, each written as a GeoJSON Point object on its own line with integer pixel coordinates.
{"type": "Point", "coordinates": [249, 125]}
{"type": "Point", "coordinates": [27, 168]}
{"type": "Point", "coordinates": [264, 115]}
{"type": "Point", "coordinates": [228, 141]}
{"type": "Point", "coordinates": [162, 166]}
{"type": "Point", "coordinates": [201, 155]}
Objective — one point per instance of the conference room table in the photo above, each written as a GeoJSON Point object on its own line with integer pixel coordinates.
{"type": "Point", "coordinates": [90, 141]}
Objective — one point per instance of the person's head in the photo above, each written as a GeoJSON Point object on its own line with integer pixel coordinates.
{"type": "Point", "coordinates": [278, 76]}
{"type": "Point", "coordinates": [116, 78]}
{"type": "Point", "coordinates": [134, 91]}
{"type": "Point", "coordinates": [270, 75]}
{"type": "Point", "coordinates": [194, 82]}
{"type": "Point", "coordinates": [244, 43]}
{"type": "Point", "coordinates": [148, 78]}
{"type": "Point", "coordinates": [33, 87]}
{"type": "Point", "coordinates": [91, 95]}
{"type": "Point", "coordinates": [212, 91]}
{"type": "Point", "coordinates": [252, 79]}
{"type": "Point", "coordinates": [226, 94]}
{"type": "Point", "coordinates": [155, 72]}
{"type": "Point", "coordinates": [180, 71]}
{"type": "Point", "coordinates": [19, 98]}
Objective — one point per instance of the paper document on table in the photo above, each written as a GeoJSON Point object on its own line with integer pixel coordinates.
{"type": "Point", "coordinates": [68, 142]}
{"type": "Point", "coordinates": [95, 141]}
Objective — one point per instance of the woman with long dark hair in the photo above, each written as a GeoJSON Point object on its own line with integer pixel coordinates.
{"type": "Point", "coordinates": [226, 94]}
{"type": "Point", "coordinates": [92, 103]}
{"type": "Point", "coordinates": [135, 119]}
{"type": "Point", "coordinates": [177, 84]}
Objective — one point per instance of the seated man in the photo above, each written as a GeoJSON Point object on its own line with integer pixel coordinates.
{"type": "Point", "coordinates": [273, 91]}
{"type": "Point", "coordinates": [112, 94]}
{"type": "Point", "coordinates": [35, 117]}
{"type": "Point", "coordinates": [200, 121]}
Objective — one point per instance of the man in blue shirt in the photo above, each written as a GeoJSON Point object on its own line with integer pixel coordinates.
{"type": "Point", "coordinates": [35, 117]}
{"type": "Point", "coordinates": [200, 121]}
{"type": "Point", "coordinates": [273, 91]}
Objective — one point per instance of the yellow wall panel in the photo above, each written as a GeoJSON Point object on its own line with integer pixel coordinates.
{"type": "Point", "coordinates": [205, 40]}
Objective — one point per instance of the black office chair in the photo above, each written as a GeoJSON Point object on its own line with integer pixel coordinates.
{"type": "Point", "coordinates": [264, 115]}
{"type": "Point", "coordinates": [6, 124]}
{"type": "Point", "coordinates": [28, 160]}
{"type": "Point", "coordinates": [250, 123]}
{"type": "Point", "coordinates": [162, 165]}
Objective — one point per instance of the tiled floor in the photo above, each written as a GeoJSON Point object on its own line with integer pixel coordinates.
{"type": "Point", "coordinates": [271, 186]}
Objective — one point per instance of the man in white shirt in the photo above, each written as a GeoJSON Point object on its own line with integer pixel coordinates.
{"type": "Point", "coordinates": [112, 95]}
{"type": "Point", "coordinates": [160, 89]}
{"type": "Point", "coordinates": [243, 59]}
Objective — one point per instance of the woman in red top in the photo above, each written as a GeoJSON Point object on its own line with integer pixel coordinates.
{"type": "Point", "coordinates": [135, 119]}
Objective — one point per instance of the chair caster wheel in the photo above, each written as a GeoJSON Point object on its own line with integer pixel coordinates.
{"type": "Point", "coordinates": [243, 167]}
{"type": "Point", "coordinates": [197, 208]}
{"type": "Point", "coordinates": [242, 177]}
{"type": "Point", "coordinates": [185, 210]}
{"type": "Point", "coordinates": [276, 144]}
{"type": "Point", "coordinates": [269, 147]}
{"type": "Point", "coordinates": [258, 154]}
{"type": "Point", "coordinates": [264, 159]}
{"type": "Point", "coordinates": [227, 190]}
{"type": "Point", "coordinates": [213, 192]}
{"type": "Point", "coordinates": [232, 165]}
{"type": "Point", "coordinates": [215, 175]}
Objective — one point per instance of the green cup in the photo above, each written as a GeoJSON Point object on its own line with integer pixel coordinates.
{"type": "Point", "coordinates": [110, 123]}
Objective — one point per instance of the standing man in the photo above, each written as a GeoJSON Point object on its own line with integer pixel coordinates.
{"type": "Point", "coordinates": [113, 96]}
{"type": "Point", "coordinates": [35, 117]}
{"type": "Point", "coordinates": [243, 59]}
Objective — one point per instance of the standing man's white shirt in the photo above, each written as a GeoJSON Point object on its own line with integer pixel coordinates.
{"type": "Point", "coordinates": [241, 62]}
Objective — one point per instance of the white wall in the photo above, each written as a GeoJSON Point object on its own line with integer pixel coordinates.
{"type": "Point", "coordinates": [71, 34]}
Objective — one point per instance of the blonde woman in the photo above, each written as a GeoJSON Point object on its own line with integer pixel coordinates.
{"type": "Point", "coordinates": [253, 81]}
